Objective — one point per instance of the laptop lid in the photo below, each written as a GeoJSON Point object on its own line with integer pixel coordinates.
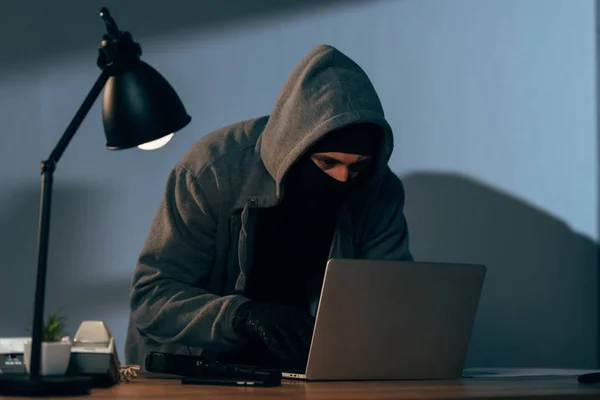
{"type": "Point", "coordinates": [394, 320]}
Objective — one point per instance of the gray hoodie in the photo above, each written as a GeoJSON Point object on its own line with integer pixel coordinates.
{"type": "Point", "coordinates": [192, 271]}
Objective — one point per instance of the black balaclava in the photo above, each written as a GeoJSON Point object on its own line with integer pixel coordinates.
{"type": "Point", "coordinates": [301, 231]}
{"type": "Point", "coordinates": [311, 190]}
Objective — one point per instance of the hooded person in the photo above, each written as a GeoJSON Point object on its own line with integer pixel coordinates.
{"type": "Point", "coordinates": [234, 260]}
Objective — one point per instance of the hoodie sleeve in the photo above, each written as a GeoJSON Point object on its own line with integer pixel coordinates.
{"type": "Point", "coordinates": [387, 235]}
{"type": "Point", "coordinates": [168, 302]}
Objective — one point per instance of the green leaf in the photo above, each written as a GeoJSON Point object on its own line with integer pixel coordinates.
{"type": "Point", "coordinates": [53, 328]}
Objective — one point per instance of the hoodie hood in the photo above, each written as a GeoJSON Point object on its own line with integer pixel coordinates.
{"type": "Point", "coordinates": [326, 91]}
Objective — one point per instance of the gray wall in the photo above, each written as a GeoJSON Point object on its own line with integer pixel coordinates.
{"type": "Point", "coordinates": [492, 103]}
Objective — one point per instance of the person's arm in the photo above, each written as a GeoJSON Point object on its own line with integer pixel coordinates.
{"type": "Point", "coordinates": [386, 234]}
{"type": "Point", "coordinates": [168, 302]}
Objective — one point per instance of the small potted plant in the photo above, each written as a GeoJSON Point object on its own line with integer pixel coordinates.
{"type": "Point", "coordinates": [56, 348]}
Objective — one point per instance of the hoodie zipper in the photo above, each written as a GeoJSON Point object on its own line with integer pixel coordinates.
{"type": "Point", "coordinates": [245, 244]}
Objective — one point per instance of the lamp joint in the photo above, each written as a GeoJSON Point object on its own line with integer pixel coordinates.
{"type": "Point", "coordinates": [118, 51]}
{"type": "Point", "coordinates": [47, 166]}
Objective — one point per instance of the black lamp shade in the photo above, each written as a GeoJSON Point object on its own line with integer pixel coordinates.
{"type": "Point", "coordinates": [139, 106]}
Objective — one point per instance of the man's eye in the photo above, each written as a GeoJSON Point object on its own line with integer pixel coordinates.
{"type": "Point", "coordinates": [359, 166]}
{"type": "Point", "coordinates": [328, 163]}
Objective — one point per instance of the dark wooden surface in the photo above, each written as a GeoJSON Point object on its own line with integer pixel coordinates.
{"type": "Point", "coordinates": [148, 387]}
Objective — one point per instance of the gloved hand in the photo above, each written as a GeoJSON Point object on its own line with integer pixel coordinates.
{"type": "Point", "coordinates": [286, 331]}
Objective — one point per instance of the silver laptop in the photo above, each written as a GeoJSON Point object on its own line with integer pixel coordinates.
{"type": "Point", "coordinates": [382, 320]}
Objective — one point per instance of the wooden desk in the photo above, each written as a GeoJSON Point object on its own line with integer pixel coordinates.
{"type": "Point", "coordinates": [471, 388]}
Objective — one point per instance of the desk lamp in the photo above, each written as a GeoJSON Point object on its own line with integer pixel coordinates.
{"type": "Point", "coordinates": [139, 109]}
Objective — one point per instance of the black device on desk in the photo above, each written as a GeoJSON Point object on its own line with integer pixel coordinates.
{"type": "Point", "coordinates": [199, 370]}
{"type": "Point", "coordinates": [12, 360]}
{"type": "Point", "coordinates": [94, 354]}
{"type": "Point", "coordinates": [591, 378]}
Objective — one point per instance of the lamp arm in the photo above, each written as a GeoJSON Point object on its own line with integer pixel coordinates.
{"type": "Point", "coordinates": [83, 110]}
{"type": "Point", "coordinates": [47, 169]}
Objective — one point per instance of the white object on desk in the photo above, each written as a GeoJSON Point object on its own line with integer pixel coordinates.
{"type": "Point", "coordinates": [92, 332]}
{"type": "Point", "coordinates": [55, 357]}
{"type": "Point", "coordinates": [13, 345]}
{"type": "Point", "coordinates": [93, 337]}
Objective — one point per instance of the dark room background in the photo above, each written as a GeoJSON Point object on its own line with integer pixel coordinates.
{"type": "Point", "coordinates": [493, 104]}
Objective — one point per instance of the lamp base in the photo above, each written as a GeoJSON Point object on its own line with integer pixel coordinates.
{"type": "Point", "coordinates": [23, 385]}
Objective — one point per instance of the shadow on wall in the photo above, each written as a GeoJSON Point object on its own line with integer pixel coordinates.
{"type": "Point", "coordinates": [79, 244]}
{"type": "Point", "coordinates": [539, 305]}
{"type": "Point", "coordinates": [37, 29]}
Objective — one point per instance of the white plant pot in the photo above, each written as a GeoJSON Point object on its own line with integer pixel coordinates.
{"type": "Point", "coordinates": [55, 357]}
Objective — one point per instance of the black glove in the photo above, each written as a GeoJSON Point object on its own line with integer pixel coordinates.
{"type": "Point", "coordinates": [286, 331]}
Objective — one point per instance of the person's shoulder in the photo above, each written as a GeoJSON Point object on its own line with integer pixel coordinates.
{"type": "Point", "coordinates": [226, 146]}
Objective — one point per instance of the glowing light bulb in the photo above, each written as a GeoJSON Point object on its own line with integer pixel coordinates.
{"type": "Point", "coordinates": [156, 144]}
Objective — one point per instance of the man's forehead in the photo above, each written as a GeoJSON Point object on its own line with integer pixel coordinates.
{"type": "Point", "coordinates": [362, 139]}
{"type": "Point", "coordinates": [341, 156]}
